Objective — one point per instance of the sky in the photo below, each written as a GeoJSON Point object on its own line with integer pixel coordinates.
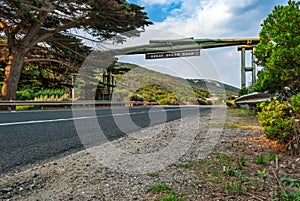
{"type": "Point", "coordinates": [174, 19]}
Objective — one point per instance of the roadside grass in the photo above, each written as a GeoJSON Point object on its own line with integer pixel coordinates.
{"type": "Point", "coordinates": [243, 172]}
{"type": "Point", "coordinates": [163, 192]}
{"type": "Point", "coordinates": [226, 174]}
{"type": "Point", "coordinates": [238, 112]}
{"type": "Point", "coordinates": [248, 122]}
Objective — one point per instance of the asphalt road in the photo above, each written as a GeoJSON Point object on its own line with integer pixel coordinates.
{"type": "Point", "coordinates": [32, 137]}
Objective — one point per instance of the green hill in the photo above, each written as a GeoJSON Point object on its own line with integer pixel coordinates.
{"type": "Point", "coordinates": [143, 84]}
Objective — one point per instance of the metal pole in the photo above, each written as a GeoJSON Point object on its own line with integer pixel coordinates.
{"type": "Point", "coordinates": [253, 67]}
{"type": "Point", "coordinates": [243, 66]}
{"type": "Point", "coordinates": [73, 91]}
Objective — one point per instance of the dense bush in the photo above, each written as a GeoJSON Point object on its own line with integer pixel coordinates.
{"type": "Point", "coordinates": [43, 95]}
{"type": "Point", "coordinates": [136, 97]}
{"type": "Point", "coordinates": [280, 120]}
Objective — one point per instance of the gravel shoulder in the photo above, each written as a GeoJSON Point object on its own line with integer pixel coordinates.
{"type": "Point", "coordinates": [198, 174]}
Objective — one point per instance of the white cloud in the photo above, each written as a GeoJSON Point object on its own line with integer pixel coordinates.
{"type": "Point", "coordinates": [164, 2]}
{"type": "Point", "coordinates": [208, 18]}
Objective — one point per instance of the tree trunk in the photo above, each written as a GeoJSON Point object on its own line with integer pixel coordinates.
{"type": "Point", "coordinates": [12, 73]}
{"type": "Point", "coordinates": [6, 76]}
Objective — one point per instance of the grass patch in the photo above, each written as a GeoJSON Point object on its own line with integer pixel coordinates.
{"type": "Point", "coordinates": [159, 188]}
{"type": "Point", "coordinates": [153, 174]}
{"type": "Point", "coordinates": [219, 155]}
{"type": "Point", "coordinates": [171, 197]}
{"type": "Point", "coordinates": [27, 107]}
{"type": "Point", "coordinates": [166, 193]}
{"type": "Point", "coordinates": [215, 180]}
{"type": "Point", "coordinates": [235, 186]}
{"type": "Point", "coordinates": [239, 112]}
{"type": "Point", "coordinates": [186, 165]}
{"type": "Point", "coordinates": [260, 159]}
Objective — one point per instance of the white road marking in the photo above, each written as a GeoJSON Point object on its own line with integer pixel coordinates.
{"type": "Point", "coordinates": [82, 118]}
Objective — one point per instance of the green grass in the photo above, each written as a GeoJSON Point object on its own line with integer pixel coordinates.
{"type": "Point", "coordinates": [220, 155]}
{"type": "Point", "coordinates": [166, 193]}
{"type": "Point", "coordinates": [241, 161]}
{"type": "Point", "coordinates": [153, 174]}
{"type": "Point", "coordinates": [26, 107]}
{"type": "Point", "coordinates": [159, 188]}
{"type": "Point", "coordinates": [271, 157]}
{"type": "Point", "coordinates": [235, 186]}
{"type": "Point", "coordinates": [171, 197]}
{"type": "Point", "coordinates": [186, 165]}
{"type": "Point", "coordinates": [215, 180]}
{"type": "Point", "coordinates": [260, 159]}
{"type": "Point", "coordinates": [238, 112]}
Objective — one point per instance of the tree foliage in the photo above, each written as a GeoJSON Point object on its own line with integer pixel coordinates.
{"type": "Point", "coordinates": [279, 49]}
{"type": "Point", "coordinates": [40, 24]}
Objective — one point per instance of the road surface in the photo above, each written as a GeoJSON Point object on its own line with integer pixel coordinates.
{"type": "Point", "coordinates": [32, 137]}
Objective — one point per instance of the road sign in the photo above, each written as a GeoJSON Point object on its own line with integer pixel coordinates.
{"type": "Point", "coordinates": [173, 54]}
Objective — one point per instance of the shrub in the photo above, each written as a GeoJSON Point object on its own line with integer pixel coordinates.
{"type": "Point", "coordinates": [42, 95]}
{"type": "Point", "coordinates": [136, 97]}
{"type": "Point", "coordinates": [280, 120]}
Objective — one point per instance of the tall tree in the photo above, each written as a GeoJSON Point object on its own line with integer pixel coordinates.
{"type": "Point", "coordinates": [54, 65]}
{"type": "Point", "coordinates": [26, 23]}
{"type": "Point", "coordinates": [279, 49]}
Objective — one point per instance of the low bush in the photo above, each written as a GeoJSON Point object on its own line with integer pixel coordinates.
{"type": "Point", "coordinates": [280, 120]}
{"type": "Point", "coordinates": [42, 95]}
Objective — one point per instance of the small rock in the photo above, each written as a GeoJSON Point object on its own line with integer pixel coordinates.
{"type": "Point", "coordinates": [30, 187]}
{"type": "Point", "coordinates": [6, 190]}
{"type": "Point", "coordinates": [297, 160]}
{"type": "Point", "coordinates": [282, 166]}
{"type": "Point", "coordinates": [6, 196]}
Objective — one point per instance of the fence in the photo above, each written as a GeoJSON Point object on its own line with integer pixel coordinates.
{"type": "Point", "coordinates": [10, 105]}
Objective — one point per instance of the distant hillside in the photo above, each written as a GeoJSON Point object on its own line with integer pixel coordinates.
{"type": "Point", "coordinates": [214, 85]}
{"type": "Point", "coordinates": [143, 84]}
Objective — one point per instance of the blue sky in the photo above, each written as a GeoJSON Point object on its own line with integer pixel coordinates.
{"type": "Point", "coordinates": [202, 19]}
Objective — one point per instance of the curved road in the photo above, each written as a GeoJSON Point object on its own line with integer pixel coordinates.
{"type": "Point", "coordinates": [31, 137]}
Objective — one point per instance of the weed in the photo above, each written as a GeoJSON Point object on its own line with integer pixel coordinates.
{"type": "Point", "coordinates": [235, 186]}
{"type": "Point", "coordinates": [214, 180]}
{"type": "Point", "coordinates": [204, 161]}
{"type": "Point", "coordinates": [260, 159]}
{"type": "Point", "coordinates": [271, 157]}
{"type": "Point", "coordinates": [220, 155]}
{"type": "Point", "coordinates": [241, 112]}
{"type": "Point", "coordinates": [153, 174]}
{"type": "Point", "coordinates": [262, 173]}
{"type": "Point", "coordinates": [26, 107]}
{"type": "Point", "coordinates": [169, 194]}
{"type": "Point", "coordinates": [291, 182]}
{"type": "Point", "coordinates": [295, 196]}
{"type": "Point", "coordinates": [186, 165]}
{"type": "Point", "coordinates": [173, 196]}
{"type": "Point", "coordinates": [229, 171]}
{"type": "Point", "coordinates": [212, 171]}
{"type": "Point", "coordinates": [241, 161]}
{"type": "Point", "coordinates": [160, 187]}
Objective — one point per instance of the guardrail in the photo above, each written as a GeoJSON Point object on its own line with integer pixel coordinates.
{"type": "Point", "coordinates": [250, 100]}
{"type": "Point", "coordinates": [74, 104]}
